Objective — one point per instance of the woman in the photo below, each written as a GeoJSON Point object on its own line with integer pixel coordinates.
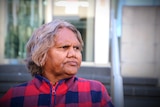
{"type": "Point", "coordinates": [53, 58]}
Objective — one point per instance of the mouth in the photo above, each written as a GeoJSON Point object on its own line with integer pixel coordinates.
{"type": "Point", "coordinates": [72, 63]}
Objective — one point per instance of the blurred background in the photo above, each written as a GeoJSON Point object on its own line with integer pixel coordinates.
{"type": "Point", "coordinates": [135, 24]}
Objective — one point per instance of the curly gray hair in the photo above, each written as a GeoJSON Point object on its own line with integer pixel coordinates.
{"type": "Point", "coordinates": [41, 41]}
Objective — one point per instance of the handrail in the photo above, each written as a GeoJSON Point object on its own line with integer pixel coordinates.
{"type": "Point", "coordinates": [116, 78]}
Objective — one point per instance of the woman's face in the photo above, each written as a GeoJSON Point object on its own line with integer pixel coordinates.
{"type": "Point", "coordinates": [64, 58]}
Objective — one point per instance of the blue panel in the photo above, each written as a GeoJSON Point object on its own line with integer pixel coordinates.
{"type": "Point", "coordinates": [44, 100]}
{"type": "Point", "coordinates": [96, 96]}
{"type": "Point", "coordinates": [71, 97]}
{"type": "Point", "coordinates": [17, 102]}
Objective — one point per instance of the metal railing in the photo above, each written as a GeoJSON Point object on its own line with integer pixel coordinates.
{"type": "Point", "coordinates": [116, 78]}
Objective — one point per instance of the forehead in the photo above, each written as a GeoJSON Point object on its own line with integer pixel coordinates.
{"type": "Point", "coordinates": [66, 35]}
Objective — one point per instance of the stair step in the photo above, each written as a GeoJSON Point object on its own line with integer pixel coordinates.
{"type": "Point", "coordinates": [140, 81]}
{"type": "Point", "coordinates": [147, 87]}
{"type": "Point", "coordinates": [142, 91]}
{"type": "Point", "coordinates": [130, 101]}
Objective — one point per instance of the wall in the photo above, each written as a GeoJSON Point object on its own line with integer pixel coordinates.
{"type": "Point", "coordinates": [140, 42]}
{"type": "Point", "coordinates": [2, 28]}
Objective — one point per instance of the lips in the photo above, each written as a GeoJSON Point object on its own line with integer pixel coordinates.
{"type": "Point", "coordinates": [72, 63]}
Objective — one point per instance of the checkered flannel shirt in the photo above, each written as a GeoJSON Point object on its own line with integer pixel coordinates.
{"type": "Point", "coordinates": [72, 92]}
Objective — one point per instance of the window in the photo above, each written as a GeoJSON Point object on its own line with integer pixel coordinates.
{"type": "Point", "coordinates": [81, 14]}
{"type": "Point", "coordinates": [22, 17]}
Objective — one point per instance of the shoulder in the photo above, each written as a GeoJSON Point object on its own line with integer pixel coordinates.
{"type": "Point", "coordinates": [83, 80]}
{"type": "Point", "coordinates": [24, 84]}
{"type": "Point", "coordinates": [12, 94]}
{"type": "Point", "coordinates": [17, 90]}
{"type": "Point", "coordinates": [93, 84]}
{"type": "Point", "coordinates": [96, 89]}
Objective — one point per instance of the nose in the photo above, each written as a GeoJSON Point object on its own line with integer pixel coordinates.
{"type": "Point", "coordinates": [71, 52]}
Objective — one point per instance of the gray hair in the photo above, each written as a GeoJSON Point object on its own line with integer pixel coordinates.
{"type": "Point", "coordinates": [41, 41]}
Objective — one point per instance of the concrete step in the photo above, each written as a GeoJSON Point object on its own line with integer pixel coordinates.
{"type": "Point", "coordinates": [130, 101]}
{"type": "Point", "coordinates": [138, 92]}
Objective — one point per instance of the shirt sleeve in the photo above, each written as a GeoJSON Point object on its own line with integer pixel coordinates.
{"type": "Point", "coordinates": [5, 100]}
{"type": "Point", "coordinates": [106, 100]}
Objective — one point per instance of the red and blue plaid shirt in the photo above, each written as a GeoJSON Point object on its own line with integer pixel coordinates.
{"type": "Point", "coordinates": [72, 92]}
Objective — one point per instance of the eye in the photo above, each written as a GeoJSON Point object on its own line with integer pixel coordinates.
{"type": "Point", "coordinates": [65, 47]}
{"type": "Point", "coordinates": [77, 48]}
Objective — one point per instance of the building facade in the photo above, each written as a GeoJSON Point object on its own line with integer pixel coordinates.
{"type": "Point", "coordinates": [21, 17]}
{"type": "Point", "coordinates": [137, 26]}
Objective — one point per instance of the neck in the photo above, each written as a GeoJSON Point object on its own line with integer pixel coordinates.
{"type": "Point", "coordinates": [50, 77]}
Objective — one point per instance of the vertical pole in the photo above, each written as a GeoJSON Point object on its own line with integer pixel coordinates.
{"type": "Point", "coordinates": [48, 11]}
{"type": "Point", "coordinates": [3, 28]}
{"type": "Point", "coordinates": [116, 78]}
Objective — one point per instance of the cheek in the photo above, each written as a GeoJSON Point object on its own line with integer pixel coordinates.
{"type": "Point", "coordinates": [55, 58]}
{"type": "Point", "coordinates": [80, 57]}
{"type": "Point", "coordinates": [58, 58]}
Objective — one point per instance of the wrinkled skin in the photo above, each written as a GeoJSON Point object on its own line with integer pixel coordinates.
{"type": "Point", "coordinates": [64, 58]}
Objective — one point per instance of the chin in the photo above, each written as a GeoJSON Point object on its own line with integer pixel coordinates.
{"type": "Point", "coordinates": [72, 72]}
